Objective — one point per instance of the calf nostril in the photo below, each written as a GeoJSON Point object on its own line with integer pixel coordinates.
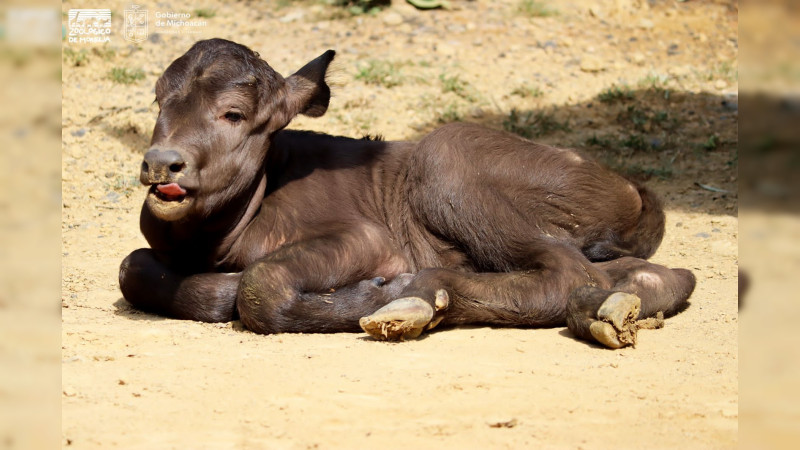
{"type": "Point", "coordinates": [145, 167]}
{"type": "Point", "coordinates": [176, 167]}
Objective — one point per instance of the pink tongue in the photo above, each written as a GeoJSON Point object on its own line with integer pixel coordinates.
{"type": "Point", "coordinates": [171, 189]}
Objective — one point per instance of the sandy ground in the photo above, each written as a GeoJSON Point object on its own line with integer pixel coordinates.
{"type": "Point", "coordinates": [135, 380]}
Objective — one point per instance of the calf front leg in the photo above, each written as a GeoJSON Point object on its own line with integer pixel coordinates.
{"type": "Point", "coordinates": [321, 285]}
{"type": "Point", "coordinates": [150, 285]}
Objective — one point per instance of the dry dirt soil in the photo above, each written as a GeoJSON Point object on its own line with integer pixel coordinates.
{"type": "Point", "coordinates": [649, 88]}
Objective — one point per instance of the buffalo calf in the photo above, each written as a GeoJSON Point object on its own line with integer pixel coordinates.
{"type": "Point", "coordinates": [293, 231]}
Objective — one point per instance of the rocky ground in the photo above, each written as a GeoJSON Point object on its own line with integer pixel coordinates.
{"type": "Point", "coordinates": [649, 88]}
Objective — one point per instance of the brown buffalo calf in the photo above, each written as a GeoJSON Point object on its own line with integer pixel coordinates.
{"type": "Point", "coordinates": [301, 232]}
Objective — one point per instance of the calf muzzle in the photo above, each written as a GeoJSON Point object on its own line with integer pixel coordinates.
{"type": "Point", "coordinates": [162, 166]}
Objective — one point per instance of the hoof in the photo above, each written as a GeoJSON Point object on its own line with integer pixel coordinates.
{"type": "Point", "coordinates": [404, 318]}
{"type": "Point", "coordinates": [616, 324]}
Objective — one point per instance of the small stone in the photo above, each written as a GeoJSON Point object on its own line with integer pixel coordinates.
{"type": "Point", "coordinates": [456, 28]}
{"type": "Point", "coordinates": [79, 133]}
{"type": "Point", "coordinates": [392, 18]}
{"type": "Point", "coordinates": [731, 103]}
{"type": "Point", "coordinates": [293, 16]}
{"type": "Point", "coordinates": [548, 44]}
{"type": "Point", "coordinates": [112, 197]}
{"type": "Point", "coordinates": [672, 50]}
{"type": "Point", "coordinates": [646, 24]}
{"type": "Point", "coordinates": [445, 49]}
{"type": "Point", "coordinates": [680, 71]}
{"type": "Point", "coordinates": [592, 64]}
{"type": "Point", "coordinates": [596, 12]}
{"type": "Point", "coordinates": [638, 58]}
{"type": "Point", "coordinates": [720, 84]}
{"type": "Point", "coordinates": [702, 235]}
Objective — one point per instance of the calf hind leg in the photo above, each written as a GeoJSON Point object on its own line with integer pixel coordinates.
{"type": "Point", "coordinates": [641, 290]}
{"type": "Point", "coordinates": [533, 297]}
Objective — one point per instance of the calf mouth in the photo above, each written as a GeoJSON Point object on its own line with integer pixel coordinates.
{"type": "Point", "coordinates": [168, 201]}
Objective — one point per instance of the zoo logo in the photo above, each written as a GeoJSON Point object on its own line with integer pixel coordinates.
{"type": "Point", "coordinates": [135, 24]}
{"type": "Point", "coordinates": [89, 25]}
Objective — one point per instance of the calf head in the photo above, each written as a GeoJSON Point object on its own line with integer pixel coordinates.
{"type": "Point", "coordinates": [219, 105]}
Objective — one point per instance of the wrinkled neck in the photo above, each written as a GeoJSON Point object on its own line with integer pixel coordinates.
{"type": "Point", "coordinates": [256, 196]}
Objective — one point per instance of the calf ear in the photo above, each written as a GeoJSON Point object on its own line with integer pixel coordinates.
{"type": "Point", "coordinates": [308, 93]}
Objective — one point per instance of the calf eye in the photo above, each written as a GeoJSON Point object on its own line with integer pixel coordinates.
{"type": "Point", "coordinates": [233, 117]}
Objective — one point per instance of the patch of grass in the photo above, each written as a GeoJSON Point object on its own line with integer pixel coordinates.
{"type": "Point", "coordinates": [533, 8]}
{"type": "Point", "coordinates": [604, 141]}
{"type": "Point", "coordinates": [124, 75]}
{"type": "Point", "coordinates": [725, 70]}
{"type": "Point", "coordinates": [640, 171]}
{"type": "Point", "coordinates": [205, 13]}
{"type": "Point", "coordinates": [451, 113]}
{"type": "Point", "coordinates": [636, 142]}
{"type": "Point", "coordinates": [527, 91]}
{"type": "Point", "coordinates": [381, 73]}
{"type": "Point", "coordinates": [106, 53]}
{"type": "Point", "coordinates": [359, 7]}
{"type": "Point", "coordinates": [644, 120]}
{"type": "Point", "coordinates": [83, 56]}
{"type": "Point", "coordinates": [656, 83]}
{"type": "Point", "coordinates": [123, 184]}
{"type": "Point", "coordinates": [712, 143]}
{"type": "Point", "coordinates": [531, 125]}
{"type": "Point", "coordinates": [457, 86]}
{"type": "Point", "coordinates": [615, 94]}
{"type": "Point", "coordinates": [653, 80]}
{"type": "Point", "coordinates": [76, 58]}
{"type": "Point", "coordinates": [664, 172]}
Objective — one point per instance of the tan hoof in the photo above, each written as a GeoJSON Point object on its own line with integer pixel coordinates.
{"type": "Point", "coordinates": [404, 318]}
{"type": "Point", "coordinates": [616, 324]}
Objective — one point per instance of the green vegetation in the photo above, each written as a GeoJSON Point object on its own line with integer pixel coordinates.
{"type": "Point", "coordinates": [533, 124]}
{"type": "Point", "coordinates": [123, 184]}
{"type": "Point", "coordinates": [457, 86]}
{"type": "Point", "coordinates": [615, 94]}
{"type": "Point", "coordinates": [644, 120]}
{"type": "Point", "coordinates": [636, 142]}
{"type": "Point", "coordinates": [205, 13]}
{"type": "Point", "coordinates": [381, 73]}
{"type": "Point", "coordinates": [527, 91]}
{"type": "Point", "coordinates": [533, 8]}
{"type": "Point", "coordinates": [74, 57]}
{"type": "Point", "coordinates": [451, 113]}
{"type": "Point", "coordinates": [653, 81]}
{"type": "Point", "coordinates": [712, 143]}
{"type": "Point", "coordinates": [78, 58]}
{"type": "Point", "coordinates": [358, 7]}
{"type": "Point", "coordinates": [123, 75]}
{"type": "Point", "coordinates": [637, 171]}
{"type": "Point", "coordinates": [605, 141]}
